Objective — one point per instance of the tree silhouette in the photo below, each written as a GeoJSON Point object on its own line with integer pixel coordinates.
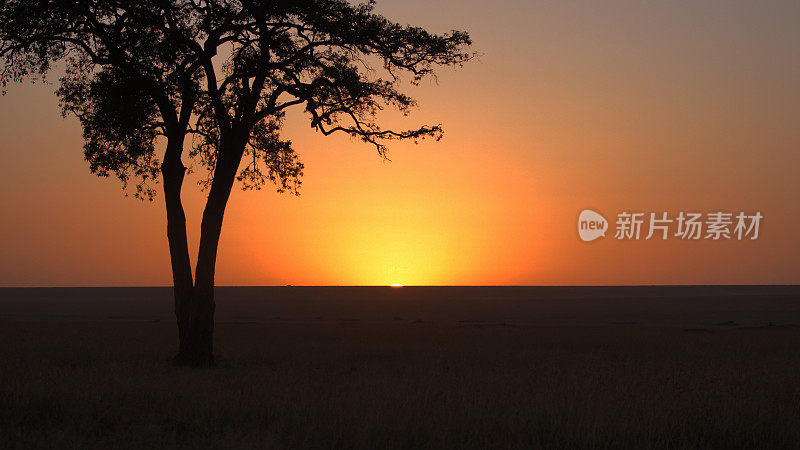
{"type": "Point", "coordinates": [224, 72]}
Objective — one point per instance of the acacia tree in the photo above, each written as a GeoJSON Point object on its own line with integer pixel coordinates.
{"type": "Point", "coordinates": [226, 72]}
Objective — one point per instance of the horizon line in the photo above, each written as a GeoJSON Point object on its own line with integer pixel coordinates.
{"type": "Point", "coordinates": [785, 284]}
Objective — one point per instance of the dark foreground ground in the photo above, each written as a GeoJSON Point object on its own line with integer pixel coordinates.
{"type": "Point", "coordinates": [700, 367]}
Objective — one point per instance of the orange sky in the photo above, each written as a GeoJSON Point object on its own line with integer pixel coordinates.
{"type": "Point", "coordinates": [648, 106]}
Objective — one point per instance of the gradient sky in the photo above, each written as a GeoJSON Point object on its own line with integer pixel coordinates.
{"type": "Point", "coordinates": [613, 105]}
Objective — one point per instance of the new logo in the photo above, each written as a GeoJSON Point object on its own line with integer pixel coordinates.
{"type": "Point", "coordinates": [591, 225]}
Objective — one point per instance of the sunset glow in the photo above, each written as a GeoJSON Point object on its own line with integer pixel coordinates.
{"type": "Point", "coordinates": [600, 107]}
{"type": "Point", "coordinates": [400, 223]}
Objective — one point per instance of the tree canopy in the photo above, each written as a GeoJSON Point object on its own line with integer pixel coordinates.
{"type": "Point", "coordinates": [221, 71]}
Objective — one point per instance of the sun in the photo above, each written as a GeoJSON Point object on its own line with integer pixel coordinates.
{"type": "Point", "coordinates": [396, 285]}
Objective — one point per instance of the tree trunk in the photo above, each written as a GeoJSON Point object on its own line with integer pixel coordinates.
{"type": "Point", "coordinates": [197, 341]}
{"type": "Point", "coordinates": [173, 171]}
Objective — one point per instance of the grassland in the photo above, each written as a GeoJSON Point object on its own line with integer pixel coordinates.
{"type": "Point", "coordinates": [473, 369]}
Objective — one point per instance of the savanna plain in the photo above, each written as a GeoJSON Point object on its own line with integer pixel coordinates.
{"type": "Point", "coordinates": [411, 367]}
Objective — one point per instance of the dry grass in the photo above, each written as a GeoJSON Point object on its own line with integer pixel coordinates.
{"type": "Point", "coordinates": [410, 368]}
{"type": "Point", "coordinates": [399, 384]}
